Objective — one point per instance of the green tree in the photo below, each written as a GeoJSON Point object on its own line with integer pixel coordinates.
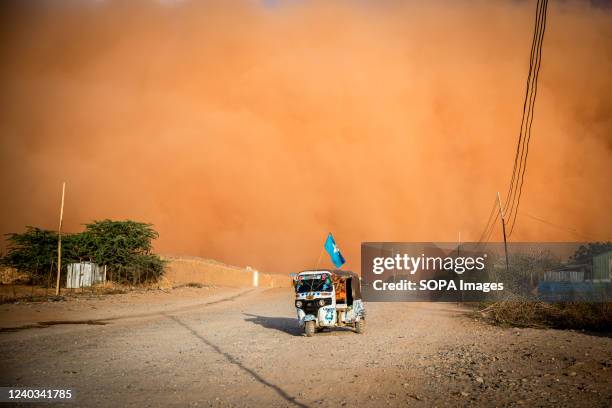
{"type": "Point", "coordinates": [125, 247]}
{"type": "Point", "coordinates": [585, 253]}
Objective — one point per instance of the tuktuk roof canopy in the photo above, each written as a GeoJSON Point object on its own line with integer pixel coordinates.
{"type": "Point", "coordinates": [343, 275]}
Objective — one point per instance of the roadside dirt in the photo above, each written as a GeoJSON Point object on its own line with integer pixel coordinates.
{"type": "Point", "coordinates": [198, 347]}
{"type": "Point", "coordinates": [101, 307]}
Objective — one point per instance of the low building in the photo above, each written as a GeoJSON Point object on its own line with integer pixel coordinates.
{"type": "Point", "coordinates": [602, 267]}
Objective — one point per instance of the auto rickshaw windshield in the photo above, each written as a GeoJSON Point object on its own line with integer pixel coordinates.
{"type": "Point", "coordinates": [314, 283]}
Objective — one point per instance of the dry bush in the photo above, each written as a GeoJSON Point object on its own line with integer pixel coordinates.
{"type": "Point", "coordinates": [11, 276]}
{"type": "Point", "coordinates": [566, 315]}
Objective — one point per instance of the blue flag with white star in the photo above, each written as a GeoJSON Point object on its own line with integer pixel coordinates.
{"type": "Point", "coordinates": [333, 251]}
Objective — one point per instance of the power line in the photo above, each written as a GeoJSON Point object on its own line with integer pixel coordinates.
{"type": "Point", "coordinates": [512, 214]}
{"type": "Point", "coordinates": [530, 118]}
{"type": "Point", "coordinates": [570, 230]}
{"type": "Point", "coordinates": [528, 89]}
{"type": "Point", "coordinates": [527, 105]}
{"type": "Point", "coordinates": [515, 188]}
{"type": "Point", "coordinates": [486, 228]}
{"type": "Point", "coordinates": [492, 229]}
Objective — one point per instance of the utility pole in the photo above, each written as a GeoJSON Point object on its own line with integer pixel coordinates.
{"type": "Point", "coordinates": [459, 244]}
{"type": "Point", "coordinates": [503, 220]}
{"type": "Point", "coordinates": [59, 243]}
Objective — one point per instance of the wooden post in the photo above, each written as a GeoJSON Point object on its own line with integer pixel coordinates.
{"type": "Point", "coordinates": [32, 282]}
{"type": "Point", "coordinates": [49, 278]}
{"type": "Point", "coordinates": [59, 243]}
{"type": "Point", "coordinates": [501, 213]}
{"type": "Point", "coordinates": [458, 255]}
{"type": "Point", "coordinates": [459, 245]}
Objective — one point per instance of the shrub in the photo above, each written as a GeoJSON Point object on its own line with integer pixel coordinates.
{"type": "Point", "coordinates": [566, 315]}
{"type": "Point", "coordinates": [125, 247]}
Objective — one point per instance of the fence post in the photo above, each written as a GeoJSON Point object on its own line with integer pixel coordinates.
{"type": "Point", "coordinates": [32, 282]}
{"type": "Point", "coordinates": [49, 279]}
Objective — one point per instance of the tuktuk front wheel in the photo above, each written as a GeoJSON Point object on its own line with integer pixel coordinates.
{"type": "Point", "coordinates": [360, 326]}
{"type": "Point", "coordinates": [309, 328]}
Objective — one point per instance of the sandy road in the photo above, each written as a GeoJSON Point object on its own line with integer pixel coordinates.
{"type": "Point", "coordinates": [244, 349]}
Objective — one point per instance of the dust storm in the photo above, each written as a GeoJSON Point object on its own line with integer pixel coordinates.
{"type": "Point", "coordinates": [245, 131]}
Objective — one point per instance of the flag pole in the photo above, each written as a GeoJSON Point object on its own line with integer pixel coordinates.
{"type": "Point", "coordinates": [319, 260]}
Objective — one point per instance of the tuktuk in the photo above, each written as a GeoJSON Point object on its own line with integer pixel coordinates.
{"type": "Point", "coordinates": [328, 298]}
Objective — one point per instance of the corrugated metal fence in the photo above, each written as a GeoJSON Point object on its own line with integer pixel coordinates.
{"type": "Point", "coordinates": [85, 274]}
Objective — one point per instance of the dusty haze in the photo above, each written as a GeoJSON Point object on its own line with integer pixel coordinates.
{"type": "Point", "coordinates": [246, 132]}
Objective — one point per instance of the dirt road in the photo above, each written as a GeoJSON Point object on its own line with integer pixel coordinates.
{"type": "Point", "coordinates": [243, 348]}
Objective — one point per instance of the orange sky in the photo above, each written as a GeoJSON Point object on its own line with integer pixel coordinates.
{"type": "Point", "coordinates": [245, 133]}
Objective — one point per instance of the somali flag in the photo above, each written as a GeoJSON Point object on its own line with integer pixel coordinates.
{"type": "Point", "coordinates": [333, 251]}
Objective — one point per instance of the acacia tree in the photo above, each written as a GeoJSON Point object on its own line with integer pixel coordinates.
{"type": "Point", "coordinates": [32, 251]}
{"type": "Point", "coordinates": [125, 247]}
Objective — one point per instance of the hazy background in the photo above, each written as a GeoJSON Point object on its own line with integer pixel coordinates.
{"type": "Point", "coordinates": [245, 131]}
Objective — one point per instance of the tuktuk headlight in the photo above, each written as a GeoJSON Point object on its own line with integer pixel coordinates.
{"type": "Point", "coordinates": [321, 302]}
{"type": "Point", "coordinates": [298, 304]}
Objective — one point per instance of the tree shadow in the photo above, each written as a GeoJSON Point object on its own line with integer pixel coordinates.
{"type": "Point", "coordinates": [232, 360]}
{"type": "Point", "coordinates": [284, 324]}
